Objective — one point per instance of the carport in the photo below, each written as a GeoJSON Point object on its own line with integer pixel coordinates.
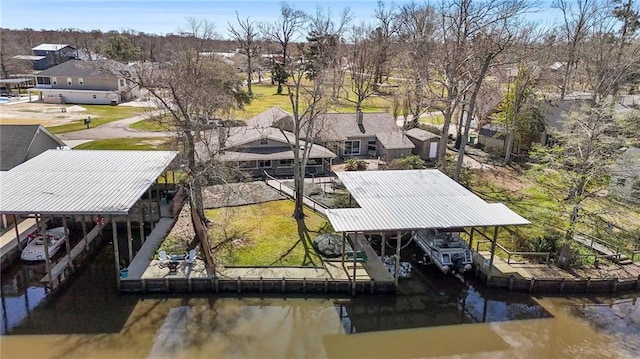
{"type": "Point", "coordinates": [398, 201]}
{"type": "Point", "coordinates": [76, 184]}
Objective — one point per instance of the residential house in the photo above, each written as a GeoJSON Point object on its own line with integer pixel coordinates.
{"type": "Point", "coordinates": [99, 82]}
{"type": "Point", "coordinates": [19, 143]}
{"type": "Point", "coordinates": [625, 176]}
{"type": "Point", "coordinates": [259, 150]}
{"type": "Point", "coordinates": [425, 142]}
{"type": "Point", "coordinates": [45, 56]}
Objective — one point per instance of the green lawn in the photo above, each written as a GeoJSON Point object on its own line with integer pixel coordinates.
{"type": "Point", "coordinates": [265, 97]}
{"type": "Point", "coordinates": [135, 143]}
{"type": "Point", "coordinates": [100, 114]}
{"type": "Point", "coordinates": [263, 234]}
{"type": "Point", "coordinates": [152, 125]}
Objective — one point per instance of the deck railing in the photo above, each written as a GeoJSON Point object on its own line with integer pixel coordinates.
{"type": "Point", "coordinates": [546, 255]}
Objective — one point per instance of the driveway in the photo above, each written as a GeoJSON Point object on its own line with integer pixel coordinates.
{"type": "Point", "coordinates": [115, 129]}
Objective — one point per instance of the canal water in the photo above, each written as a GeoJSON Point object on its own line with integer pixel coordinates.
{"type": "Point", "coordinates": [431, 316]}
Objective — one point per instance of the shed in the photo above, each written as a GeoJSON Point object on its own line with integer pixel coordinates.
{"type": "Point", "coordinates": [425, 142]}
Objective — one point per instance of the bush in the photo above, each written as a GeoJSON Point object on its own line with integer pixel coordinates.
{"type": "Point", "coordinates": [356, 165]}
{"type": "Point", "coordinates": [413, 162]}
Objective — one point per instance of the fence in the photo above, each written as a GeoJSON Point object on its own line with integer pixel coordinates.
{"type": "Point", "coordinates": [252, 285]}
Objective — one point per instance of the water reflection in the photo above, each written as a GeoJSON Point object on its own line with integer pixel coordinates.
{"type": "Point", "coordinates": [432, 316]}
{"type": "Point", "coordinates": [430, 299]}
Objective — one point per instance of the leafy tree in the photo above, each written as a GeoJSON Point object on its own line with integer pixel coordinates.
{"type": "Point", "coordinates": [581, 157]}
{"type": "Point", "coordinates": [119, 47]}
{"type": "Point", "coordinates": [520, 111]}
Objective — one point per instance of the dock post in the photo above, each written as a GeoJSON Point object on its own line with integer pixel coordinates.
{"type": "Point", "coordinates": [283, 284]}
{"type": "Point", "coordinates": [47, 259]}
{"type": "Point", "coordinates": [614, 285]}
{"type": "Point", "coordinates": [532, 283]}
{"type": "Point", "coordinates": [373, 286]}
{"type": "Point", "coordinates": [384, 244]}
{"type": "Point", "coordinates": [239, 284]}
{"type": "Point", "coordinates": [84, 233]}
{"type": "Point", "coordinates": [141, 218]}
{"type": "Point", "coordinates": [638, 282]}
{"type": "Point", "coordinates": [562, 283]}
{"type": "Point", "coordinates": [326, 284]}
{"type": "Point", "coordinates": [65, 227]}
{"type": "Point", "coordinates": [304, 284]}
{"type": "Point", "coordinates": [129, 238]}
{"type": "Point", "coordinates": [15, 222]}
{"type": "Point", "coordinates": [397, 261]}
{"type": "Point", "coordinates": [355, 257]}
{"type": "Point", "coordinates": [511, 283]}
{"type": "Point", "coordinates": [493, 250]}
{"type": "Point", "coordinates": [260, 284]}
{"type": "Point", "coordinates": [116, 252]}
{"type": "Point", "coordinates": [588, 284]}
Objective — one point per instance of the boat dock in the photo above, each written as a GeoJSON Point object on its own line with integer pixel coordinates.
{"type": "Point", "coordinates": [65, 266]}
{"type": "Point", "coordinates": [13, 240]}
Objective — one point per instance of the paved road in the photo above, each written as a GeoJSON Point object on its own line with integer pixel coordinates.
{"type": "Point", "coordinates": [115, 129]}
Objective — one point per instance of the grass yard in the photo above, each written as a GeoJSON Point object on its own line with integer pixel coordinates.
{"type": "Point", "coordinates": [151, 125]}
{"type": "Point", "coordinates": [263, 235]}
{"type": "Point", "coordinates": [129, 143]}
{"type": "Point", "coordinates": [265, 97]}
{"type": "Point", "coordinates": [100, 114]}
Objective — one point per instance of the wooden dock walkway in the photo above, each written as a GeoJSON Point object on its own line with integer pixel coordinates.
{"type": "Point", "coordinates": [598, 246]}
{"type": "Point", "coordinates": [59, 270]}
{"type": "Point", "coordinates": [535, 277]}
{"type": "Point", "coordinates": [145, 255]}
{"type": "Point", "coordinates": [282, 188]}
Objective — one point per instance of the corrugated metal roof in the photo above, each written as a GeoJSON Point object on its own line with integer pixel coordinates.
{"type": "Point", "coordinates": [418, 199]}
{"type": "Point", "coordinates": [81, 182]}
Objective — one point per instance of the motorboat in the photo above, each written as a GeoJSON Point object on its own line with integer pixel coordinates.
{"type": "Point", "coordinates": [34, 251]}
{"type": "Point", "coordinates": [446, 250]}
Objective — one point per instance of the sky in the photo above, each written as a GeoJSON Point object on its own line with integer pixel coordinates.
{"type": "Point", "coordinates": [160, 16]}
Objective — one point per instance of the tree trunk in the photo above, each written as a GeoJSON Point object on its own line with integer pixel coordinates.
{"type": "Point", "coordinates": [249, 77]}
{"type": "Point", "coordinates": [508, 147]}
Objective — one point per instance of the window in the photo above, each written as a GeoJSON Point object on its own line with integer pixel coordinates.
{"type": "Point", "coordinates": [247, 164]}
{"type": "Point", "coordinates": [54, 80]}
{"type": "Point", "coordinates": [264, 164]}
{"type": "Point", "coordinates": [94, 96]}
{"type": "Point", "coordinates": [371, 146]}
{"type": "Point", "coordinates": [621, 182]}
{"type": "Point", "coordinates": [43, 80]}
{"type": "Point", "coordinates": [80, 81]}
{"type": "Point", "coordinates": [121, 82]}
{"type": "Point", "coordinates": [264, 141]}
{"type": "Point", "coordinates": [69, 81]}
{"type": "Point", "coordinates": [635, 190]}
{"type": "Point", "coordinates": [286, 163]}
{"type": "Point", "coordinates": [352, 147]}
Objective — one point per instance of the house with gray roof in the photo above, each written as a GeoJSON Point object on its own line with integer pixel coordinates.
{"type": "Point", "coordinates": [99, 82]}
{"type": "Point", "coordinates": [259, 150]}
{"type": "Point", "coordinates": [19, 143]}
{"type": "Point", "coordinates": [348, 135]}
{"type": "Point", "coordinates": [45, 56]}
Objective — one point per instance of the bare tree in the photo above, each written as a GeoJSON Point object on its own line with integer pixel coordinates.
{"type": "Point", "coordinates": [415, 27]}
{"type": "Point", "coordinates": [192, 90]}
{"type": "Point", "coordinates": [325, 50]}
{"type": "Point", "coordinates": [283, 31]}
{"type": "Point", "coordinates": [577, 16]}
{"type": "Point", "coordinates": [246, 37]}
{"type": "Point", "coordinates": [383, 34]}
{"type": "Point", "coordinates": [499, 29]}
{"type": "Point", "coordinates": [362, 64]}
{"type": "Point", "coordinates": [612, 50]}
{"type": "Point", "coordinates": [309, 103]}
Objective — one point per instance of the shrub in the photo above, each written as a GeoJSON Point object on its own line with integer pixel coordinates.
{"type": "Point", "coordinates": [413, 162]}
{"type": "Point", "coordinates": [356, 165]}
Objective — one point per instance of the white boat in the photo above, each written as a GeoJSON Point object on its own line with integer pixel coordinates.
{"type": "Point", "coordinates": [446, 250]}
{"type": "Point", "coordinates": [34, 251]}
